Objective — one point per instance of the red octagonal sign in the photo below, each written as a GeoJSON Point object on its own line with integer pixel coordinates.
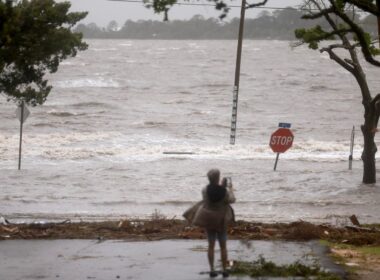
{"type": "Point", "coordinates": [281, 140]}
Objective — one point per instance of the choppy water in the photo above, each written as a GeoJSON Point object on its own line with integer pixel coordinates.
{"type": "Point", "coordinates": [95, 149]}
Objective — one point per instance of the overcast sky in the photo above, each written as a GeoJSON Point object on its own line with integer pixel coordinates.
{"type": "Point", "coordinates": [103, 11]}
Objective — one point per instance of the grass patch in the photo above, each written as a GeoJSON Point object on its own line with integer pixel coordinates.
{"type": "Point", "coordinates": [370, 250]}
{"type": "Point", "coordinates": [365, 257]}
{"type": "Point", "coordinates": [264, 268]}
{"type": "Point", "coordinates": [367, 250]}
{"type": "Point", "coordinates": [336, 245]}
{"type": "Point", "coordinates": [372, 226]}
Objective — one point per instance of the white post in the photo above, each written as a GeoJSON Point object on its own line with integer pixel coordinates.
{"type": "Point", "coordinates": [351, 156]}
{"type": "Point", "coordinates": [21, 125]}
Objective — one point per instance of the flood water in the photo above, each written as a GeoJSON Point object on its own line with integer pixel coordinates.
{"type": "Point", "coordinates": [95, 149]}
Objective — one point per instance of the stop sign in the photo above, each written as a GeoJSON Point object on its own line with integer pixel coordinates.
{"type": "Point", "coordinates": [281, 140]}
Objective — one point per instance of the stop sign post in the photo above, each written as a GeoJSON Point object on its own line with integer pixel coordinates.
{"type": "Point", "coordinates": [281, 140]}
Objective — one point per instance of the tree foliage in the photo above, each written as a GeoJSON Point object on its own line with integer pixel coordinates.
{"type": "Point", "coordinates": [163, 6]}
{"type": "Point", "coordinates": [368, 6]}
{"type": "Point", "coordinates": [112, 26]}
{"type": "Point", "coordinates": [344, 53]}
{"type": "Point", "coordinates": [349, 24]}
{"type": "Point", "coordinates": [35, 36]}
{"type": "Point", "coordinates": [279, 25]}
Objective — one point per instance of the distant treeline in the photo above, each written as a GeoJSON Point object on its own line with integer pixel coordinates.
{"type": "Point", "coordinates": [278, 25]}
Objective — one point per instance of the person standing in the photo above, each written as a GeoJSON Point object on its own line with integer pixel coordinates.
{"type": "Point", "coordinates": [215, 214]}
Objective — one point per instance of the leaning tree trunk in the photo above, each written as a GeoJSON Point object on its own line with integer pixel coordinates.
{"type": "Point", "coordinates": [369, 129]}
{"type": "Point", "coordinates": [368, 155]}
{"type": "Point", "coordinates": [371, 118]}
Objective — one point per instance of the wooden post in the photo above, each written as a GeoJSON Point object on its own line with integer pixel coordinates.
{"type": "Point", "coordinates": [237, 74]}
{"type": "Point", "coordinates": [21, 125]}
{"type": "Point", "coordinates": [240, 44]}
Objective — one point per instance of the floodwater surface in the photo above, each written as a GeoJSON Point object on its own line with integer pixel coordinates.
{"type": "Point", "coordinates": [96, 149]}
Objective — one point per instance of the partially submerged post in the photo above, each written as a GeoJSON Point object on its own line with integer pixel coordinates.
{"type": "Point", "coordinates": [352, 142]}
{"type": "Point", "coordinates": [22, 114]}
{"type": "Point", "coordinates": [237, 74]}
{"type": "Point", "coordinates": [281, 140]}
{"type": "Point", "coordinates": [275, 163]}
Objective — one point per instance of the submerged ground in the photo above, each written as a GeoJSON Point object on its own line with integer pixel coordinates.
{"type": "Point", "coordinates": [95, 150]}
{"type": "Point", "coordinates": [59, 248]}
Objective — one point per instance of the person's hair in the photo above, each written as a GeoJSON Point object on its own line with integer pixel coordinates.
{"type": "Point", "coordinates": [214, 176]}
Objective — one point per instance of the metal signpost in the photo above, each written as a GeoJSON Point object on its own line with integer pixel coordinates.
{"type": "Point", "coordinates": [22, 113]}
{"type": "Point", "coordinates": [281, 140]}
{"type": "Point", "coordinates": [351, 156]}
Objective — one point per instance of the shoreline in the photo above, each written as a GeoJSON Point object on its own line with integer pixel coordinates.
{"type": "Point", "coordinates": [163, 229]}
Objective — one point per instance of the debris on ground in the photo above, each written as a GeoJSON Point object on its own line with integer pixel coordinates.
{"type": "Point", "coordinates": [160, 228]}
{"type": "Point", "coordinates": [263, 268]}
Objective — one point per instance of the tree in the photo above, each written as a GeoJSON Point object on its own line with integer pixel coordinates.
{"type": "Point", "coordinates": [163, 6]}
{"type": "Point", "coordinates": [369, 23]}
{"type": "Point", "coordinates": [112, 26]}
{"type": "Point", "coordinates": [338, 8]}
{"type": "Point", "coordinates": [35, 36]}
{"type": "Point", "coordinates": [351, 63]}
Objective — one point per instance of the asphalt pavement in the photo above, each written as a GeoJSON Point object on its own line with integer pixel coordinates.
{"type": "Point", "coordinates": [117, 259]}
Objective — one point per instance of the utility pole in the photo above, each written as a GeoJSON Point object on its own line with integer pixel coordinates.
{"type": "Point", "coordinates": [237, 74]}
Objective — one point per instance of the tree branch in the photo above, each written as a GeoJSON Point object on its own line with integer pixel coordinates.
{"type": "Point", "coordinates": [338, 32]}
{"type": "Point", "coordinates": [376, 106]}
{"type": "Point", "coordinates": [349, 61]}
{"type": "Point", "coordinates": [353, 67]}
{"type": "Point", "coordinates": [376, 99]}
{"type": "Point", "coordinates": [374, 113]}
{"type": "Point", "coordinates": [342, 46]}
{"type": "Point", "coordinates": [357, 69]}
{"type": "Point", "coordinates": [318, 15]}
{"type": "Point", "coordinates": [359, 33]}
{"type": "Point", "coordinates": [365, 6]}
{"type": "Point", "coordinates": [338, 60]}
{"type": "Point", "coordinates": [250, 6]}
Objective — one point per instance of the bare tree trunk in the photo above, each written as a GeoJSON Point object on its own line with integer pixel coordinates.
{"type": "Point", "coordinates": [368, 155]}
{"type": "Point", "coordinates": [369, 127]}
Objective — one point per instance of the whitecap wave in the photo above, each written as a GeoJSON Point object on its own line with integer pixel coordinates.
{"type": "Point", "coordinates": [91, 104]}
{"type": "Point", "coordinates": [88, 83]}
{"type": "Point", "coordinates": [73, 63]}
{"type": "Point", "coordinates": [79, 146]}
{"type": "Point", "coordinates": [103, 49]}
{"type": "Point", "coordinates": [56, 146]}
{"type": "Point", "coordinates": [77, 153]}
{"type": "Point", "coordinates": [64, 113]}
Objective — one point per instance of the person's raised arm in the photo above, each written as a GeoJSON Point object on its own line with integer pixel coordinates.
{"type": "Point", "coordinates": [230, 195]}
{"type": "Point", "coordinates": [204, 194]}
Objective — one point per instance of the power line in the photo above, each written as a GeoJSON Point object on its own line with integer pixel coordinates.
{"type": "Point", "coordinates": [211, 5]}
{"type": "Point", "coordinates": [230, 6]}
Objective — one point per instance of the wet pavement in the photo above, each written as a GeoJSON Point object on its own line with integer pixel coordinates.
{"type": "Point", "coordinates": [169, 259]}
